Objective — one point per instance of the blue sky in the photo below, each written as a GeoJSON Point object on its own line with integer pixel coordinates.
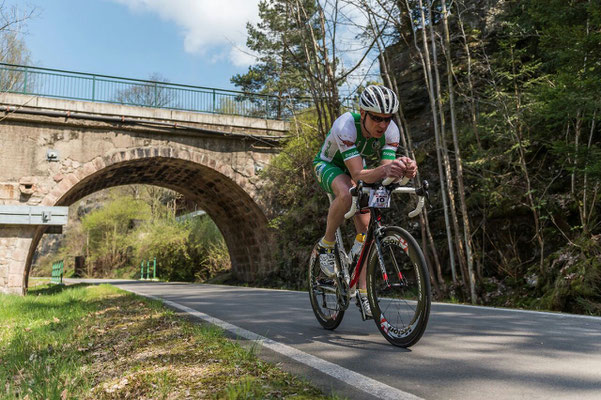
{"type": "Point", "coordinates": [186, 41]}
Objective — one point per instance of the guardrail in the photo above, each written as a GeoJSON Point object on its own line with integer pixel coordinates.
{"type": "Point", "coordinates": [57, 273]}
{"type": "Point", "coordinates": [118, 90]}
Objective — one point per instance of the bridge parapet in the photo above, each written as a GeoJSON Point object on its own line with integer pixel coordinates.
{"type": "Point", "coordinates": [129, 115]}
{"type": "Point", "coordinates": [112, 89]}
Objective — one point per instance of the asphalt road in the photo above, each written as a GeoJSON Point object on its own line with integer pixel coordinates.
{"type": "Point", "coordinates": [466, 353]}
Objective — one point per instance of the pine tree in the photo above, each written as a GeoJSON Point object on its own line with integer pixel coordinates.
{"type": "Point", "coordinates": [278, 68]}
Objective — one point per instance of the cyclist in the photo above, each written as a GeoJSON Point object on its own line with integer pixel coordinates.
{"type": "Point", "coordinates": [341, 163]}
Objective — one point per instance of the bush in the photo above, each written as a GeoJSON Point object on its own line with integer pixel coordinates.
{"type": "Point", "coordinates": [138, 223]}
{"type": "Point", "coordinates": [185, 251]}
{"type": "Point", "coordinates": [574, 281]}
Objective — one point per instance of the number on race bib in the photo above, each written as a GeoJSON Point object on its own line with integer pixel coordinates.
{"type": "Point", "coordinates": [379, 198]}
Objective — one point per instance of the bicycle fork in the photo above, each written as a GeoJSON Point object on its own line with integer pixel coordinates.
{"type": "Point", "coordinates": [378, 243]}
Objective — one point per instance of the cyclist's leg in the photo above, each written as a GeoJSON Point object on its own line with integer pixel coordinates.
{"type": "Point", "coordinates": [361, 223]}
{"type": "Point", "coordinates": [342, 202]}
{"type": "Point", "coordinates": [333, 180]}
{"type": "Point", "coordinates": [337, 182]}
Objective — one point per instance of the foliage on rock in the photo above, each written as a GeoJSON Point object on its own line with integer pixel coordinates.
{"type": "Point", "coordinates": [136, 224]}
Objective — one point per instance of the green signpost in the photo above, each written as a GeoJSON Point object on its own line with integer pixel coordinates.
{"type": "Point", "coordinates": [57, 273]}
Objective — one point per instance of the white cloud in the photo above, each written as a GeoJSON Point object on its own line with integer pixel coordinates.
{"type": "Point", "coordinates": [210, 27]}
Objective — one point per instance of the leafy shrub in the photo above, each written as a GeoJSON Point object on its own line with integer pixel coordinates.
{"type": "Point", "coordinates": [138, 223]}
{"type": "Point", "coordinates": [574, 281]}
{"type": "Point", "coordinates": [107, 230]}
{"type": "Point", "coordinates": [185, 251]}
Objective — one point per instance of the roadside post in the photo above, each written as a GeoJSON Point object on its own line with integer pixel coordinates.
{"type": "Point", "coordinates": [57, 273]}
{"type": "Point", "coordinates": [145, 269]}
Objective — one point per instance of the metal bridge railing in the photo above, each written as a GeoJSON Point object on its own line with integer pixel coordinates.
{"type": "Point", "coordinates": [111, 89]}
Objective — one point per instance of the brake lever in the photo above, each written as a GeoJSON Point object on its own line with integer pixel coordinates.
{"type": "Point", "coordinates": [355, 192]}
{"type": "Point", "coordinates": [423, 191]}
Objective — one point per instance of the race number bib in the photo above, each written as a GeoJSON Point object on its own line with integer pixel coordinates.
{"type": "Point", "coordinates": [379, 198]}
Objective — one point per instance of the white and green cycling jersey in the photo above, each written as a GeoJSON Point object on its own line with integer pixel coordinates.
{"type": "Point", "coordinates": [345, 141]}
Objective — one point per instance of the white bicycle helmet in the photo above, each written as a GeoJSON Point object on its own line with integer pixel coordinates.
{"type": "Point", "coordinates": [379, 99]}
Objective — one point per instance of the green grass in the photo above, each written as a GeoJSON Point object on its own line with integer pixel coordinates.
{"type": "Point", "coordinates": [38, 340]}
{"type": "Point", "coordinates": [99, 342]}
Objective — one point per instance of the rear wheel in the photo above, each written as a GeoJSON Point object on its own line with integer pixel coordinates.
{"type": "Point", "coordinates": [399, 296]}
{"type": "Point", "coordinates": [323, 292]}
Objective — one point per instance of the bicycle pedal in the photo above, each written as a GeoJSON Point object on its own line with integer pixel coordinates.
{"type": "Point", "coordinates": [363, 316]}
{"type": "Point", "coordinates": [361, 310]}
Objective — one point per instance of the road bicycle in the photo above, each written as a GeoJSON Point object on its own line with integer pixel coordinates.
{"type": "Point", "coordinates": [398, 282]}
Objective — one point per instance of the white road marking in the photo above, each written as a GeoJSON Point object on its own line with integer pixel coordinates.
{"type": "Point", "coordinates": [515, 310]}
{"type": "Point", "coordinates": [364, 383]}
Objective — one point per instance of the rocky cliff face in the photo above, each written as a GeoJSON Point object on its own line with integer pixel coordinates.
{"type": "Point", "coordinates": [480, 23]}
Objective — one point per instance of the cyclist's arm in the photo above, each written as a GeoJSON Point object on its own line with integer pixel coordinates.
{"type": "Point", "coordinates": [392, 168]}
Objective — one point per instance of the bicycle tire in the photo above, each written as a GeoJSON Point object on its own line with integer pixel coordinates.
{"type": "Point", "coordinates": [400, 303]}
{"type": "Point", "coordinates": [329, 313]}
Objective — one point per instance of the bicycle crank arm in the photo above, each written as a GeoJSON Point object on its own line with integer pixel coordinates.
{"type": "Point", "coordinates": [326, 288]}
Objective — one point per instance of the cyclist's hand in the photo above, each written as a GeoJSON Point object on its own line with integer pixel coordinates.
{"type": "Point", "coordinates": [409, 167]}
{"type": "Point", "coordinates": [394, 169]}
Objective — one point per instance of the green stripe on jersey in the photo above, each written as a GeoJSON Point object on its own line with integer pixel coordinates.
{"type": "Point", "coordinates": [388, 154]}
{"type": "Point", "coordinates": [349, 153]}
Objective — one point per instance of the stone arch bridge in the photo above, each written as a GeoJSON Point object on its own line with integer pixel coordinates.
{"type": "Point", "coordinates": [54, 152]}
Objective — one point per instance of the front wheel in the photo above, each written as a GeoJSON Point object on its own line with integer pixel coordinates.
{"type": "Point", "coordinates": [399, 290]}
{"type": "Point", "coordinates": [324, 293]}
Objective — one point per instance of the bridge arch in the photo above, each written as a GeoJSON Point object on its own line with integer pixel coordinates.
{"type": "Point", "coordinates": [221, 192]}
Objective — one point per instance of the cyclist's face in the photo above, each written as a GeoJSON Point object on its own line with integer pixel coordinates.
{"type": "Point", "coordinates": [376, 123]}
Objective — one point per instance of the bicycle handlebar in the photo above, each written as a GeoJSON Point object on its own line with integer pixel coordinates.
{"type": "Point", "coordinates": [421, 193]}
{"type": "Point", "coordinates": [389, 180]}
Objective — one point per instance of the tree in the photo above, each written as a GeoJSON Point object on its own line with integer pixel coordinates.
{"type": "Point", "coordinates": [12, 46]}
{"type": "Point", "coordinates": [570, 43]}
{"type": "Point", "coordinates": [277, 70]}
{"type": "Point", "coordinates": [151, 93]}
{"type": "Point", "coordinates": [297, 49]}
{"type": "Point", "coordinates": [467, 236]}
{"type": "Point", "coordinates": [419, 25]}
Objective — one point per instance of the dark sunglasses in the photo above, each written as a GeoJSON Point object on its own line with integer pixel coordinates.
{"type": "Point", "coordinates": [377, 119]}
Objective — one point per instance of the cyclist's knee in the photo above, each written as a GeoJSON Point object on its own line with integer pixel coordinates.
{"type": "Point", "coordinates": [341, 185]}
{"type": "Point", "coordinates": [345, 197]}
{"type": "Point", "coordinates": [341, 191]}
{"type": "Point", "coordinates": [361, 222]}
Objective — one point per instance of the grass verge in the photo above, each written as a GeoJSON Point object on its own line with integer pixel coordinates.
{"type": "Point", "coordinates": [100, 342]}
